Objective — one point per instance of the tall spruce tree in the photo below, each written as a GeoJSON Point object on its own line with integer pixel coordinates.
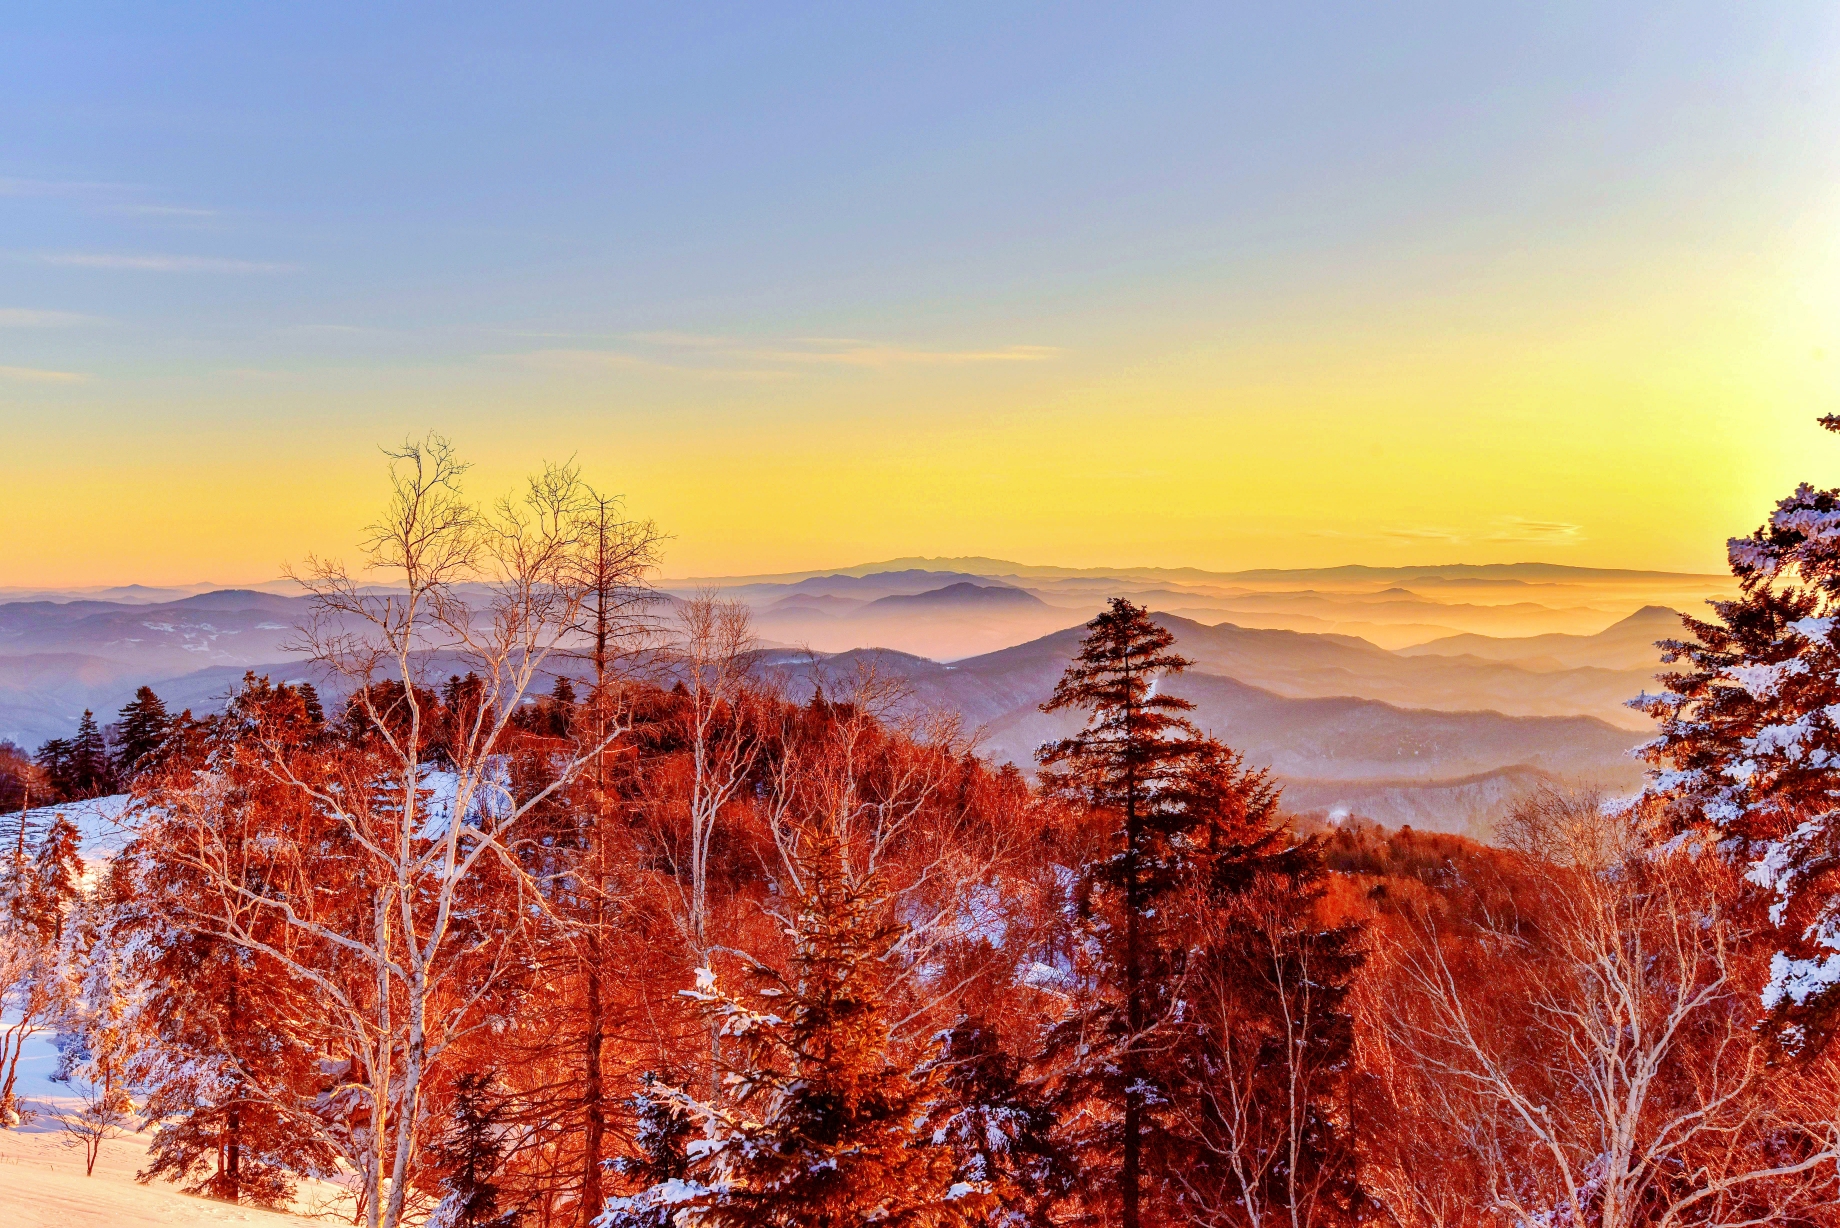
{"type": "Point", "coordinates": [142, 730]}
{"type": "Point", "coordinates": [1749, 736]}
{"type": "Point", "coordinates": [1123, 765]}
{"type": "Point", "coordinates": [89, 772]}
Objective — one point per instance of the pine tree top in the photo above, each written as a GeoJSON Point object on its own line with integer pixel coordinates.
{"type": "Point", "coordinates": [1134, 734]}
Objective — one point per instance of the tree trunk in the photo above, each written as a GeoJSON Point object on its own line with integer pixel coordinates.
{"type": "Point", "coordinates": [592, 1092]}
{"type": "Point", "coordinates": [1129, 1177]}
{"type": "Point", "coordinates": [233, 1167]}
{"type": "Point", "coordinates": [233, 1158]}
{"type": "Point", "coordinates": [593, 1095]}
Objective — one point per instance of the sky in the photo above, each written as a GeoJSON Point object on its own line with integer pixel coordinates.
{"type": "Point", "coordinates": [1189, 285]}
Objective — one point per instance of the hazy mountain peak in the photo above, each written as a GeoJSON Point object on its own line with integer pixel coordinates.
{"type": "Point", "coordinates": [964, 595]}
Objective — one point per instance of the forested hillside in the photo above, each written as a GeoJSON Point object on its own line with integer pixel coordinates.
{"type": "Point", "coordinates": [550, 903]}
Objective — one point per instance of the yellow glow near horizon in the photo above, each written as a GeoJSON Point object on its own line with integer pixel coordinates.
{"type": "Point", "coordinates": [1498, 425]}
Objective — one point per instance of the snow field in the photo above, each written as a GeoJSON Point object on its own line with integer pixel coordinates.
{"type": "Point", "coordinates": [42, 1183]}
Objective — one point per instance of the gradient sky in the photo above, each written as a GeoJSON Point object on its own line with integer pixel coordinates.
{"type": "Point", "coordinates": [1190, 285]}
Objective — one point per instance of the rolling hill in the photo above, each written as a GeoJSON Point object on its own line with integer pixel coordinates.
{"type": "Point", "coordinates": [1444, 728]}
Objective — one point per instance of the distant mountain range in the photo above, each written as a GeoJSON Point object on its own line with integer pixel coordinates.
{"type": "Point", "coordinates": [977, 565]}
{"type": "Point", "coordinates": [1450, 768]}
{"type": "Point", "coordinates": [1431, 695]}
{"type": "Point", "coordinates": [965, 595]}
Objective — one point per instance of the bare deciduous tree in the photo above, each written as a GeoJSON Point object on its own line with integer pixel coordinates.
{"type": "Point", "coordinates": [405, 974]}
{"type": "Point", "coordinates": [1602, 1066]}
{"type": "Point", "coordinates": [713, 652]}
{"type": "Point", "coordinates": [105, 1114]}
{"type": "Point", "coordinates": [1264, 1061]}
{"type": "Point", "coordinates": [613, 565]}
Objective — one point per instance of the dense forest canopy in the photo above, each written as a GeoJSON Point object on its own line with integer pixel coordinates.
{"type": "Point", "coordinates": [607, 926]}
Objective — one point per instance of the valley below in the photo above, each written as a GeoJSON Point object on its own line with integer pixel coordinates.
{"type": "Point", "coordinates": [1432, 697]}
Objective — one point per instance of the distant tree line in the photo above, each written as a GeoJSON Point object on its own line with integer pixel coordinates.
{"type": "Point", "coordinates": [99, 760]}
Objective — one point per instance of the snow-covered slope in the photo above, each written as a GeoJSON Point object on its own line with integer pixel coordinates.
{"type": "Point", "coordinates": [99, 820]}
{"type": "Point", "coordinates": [43, 1185]}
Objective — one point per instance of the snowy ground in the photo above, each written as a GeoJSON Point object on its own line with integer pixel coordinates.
{"type": "Point", "coordinates": [101, 823]}
{"type": "Point", "coordinates": [42, 1183]}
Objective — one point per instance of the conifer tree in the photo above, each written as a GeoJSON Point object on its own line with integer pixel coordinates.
{"type": "Point", "coordinates": [659, 1164]}
{"type": "Point", "coordinates": [54, 761]}
{"type": "Point", "coordinates": [662, 1130]}
{"type": "Point", "coordinates": [90, 772]}
{"type": "Point", "coordinates": [1749, 736]}
{"type": "Point", "coordinates": [1000, 1133]}
{"type": "Point", "coordinates": [57, 876]}
{"type": "Point", "coordinates": [144, 725]}
{"type": "Point", "coordinates": [468, 1154]}
{"type": "Point", "coordinates": [820, 1124]}
{"type": "Point", "coordinates": [310, 703]}
{"type": "Point", "coordinates": [1124, 765]}
{"type": "Point", "coordinates": [228, 1065]}
{"type": "Point", "coordinates": [219, 1054]}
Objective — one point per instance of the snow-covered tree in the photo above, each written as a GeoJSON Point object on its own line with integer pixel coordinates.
{"type": "Point", "coordinates": [28, 980]}
{"type": "Point", "coordinates": [1749, 743]}
{"type": "Point", "coordinates": [56, 877]}
{"type": "Point", "coordinates": [141, 730]}
{"type": "Point", "coordinates": [228, 1059]}
{"type": "Point", "coordinates": [39, 889]}
{"type": "Point", "coordinates": [467, 1154]}
{"type": "Point", "coordinates": [997, 1127]}
{"type": "Point", "coordinates": [821, 1124]}
{"type": "Point", "coordinates": [96, 1028]}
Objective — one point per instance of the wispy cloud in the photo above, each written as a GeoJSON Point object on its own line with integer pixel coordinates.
{"type": "Point", "coordinates": [837, 351]}
{"type": "Point", "coordinates": [1548, 532]}
{"type": "Point", "coordinates": [766, 358]}
{"type": "Point", "coordinates": [587, 362]}
{"type": "Point", "coordinates": [21, 317]}
{"type": "Point", "coordinates": [162, 264]}
{"type": "Point", "coordinates": [34, 375]}
{"type": "Point", "coordinates": [1504, 529]}
{"type": "Point", "coordinates": [1419, 533]}
{"type": "Point", "coordinates": [95, 196]}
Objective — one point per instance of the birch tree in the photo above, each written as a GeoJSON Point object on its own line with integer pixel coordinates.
{"type": "Point", "coordinates": [1602, 1064]}
{"type": "Point", "coordinates": [407, 953]}
{"type": "Point", "coordinates": [714, 644]}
